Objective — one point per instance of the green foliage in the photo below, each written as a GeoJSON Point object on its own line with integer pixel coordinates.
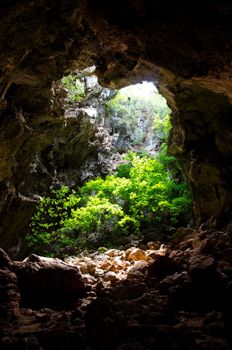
{"type": "Point", "coordinates": [75, 87]}
{"type": "Point", "coordinates": [162, 126]}
{"type": "Point", "coordinates": [97, 216]}
{"type": "Point", "coordinates": [152, 192]}
{"type": "Point", "coordinates": [139, 195]}
{"type": "Point", "coordinates": [143, 192]}
{"type": "Point", "coordinates": [50, 214]}
{"type": "Point", "coordinates": [137, 112]}
{"type": "Point", "coordinates": [129, 104]}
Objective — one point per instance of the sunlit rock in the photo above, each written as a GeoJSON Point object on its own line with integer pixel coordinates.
{"type": "Point", "coordinates": [137, 254]}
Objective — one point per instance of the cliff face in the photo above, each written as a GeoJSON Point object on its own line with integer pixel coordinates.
{"type": "Point", "coordinates": [185, 46]}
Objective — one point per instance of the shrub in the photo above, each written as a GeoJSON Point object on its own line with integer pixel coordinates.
{"type": "Point", "coordinates": [141, 194]}
{"type": "Point", "coordinates": [48, 218]}
{"type": "Point", "coordinates": [99, 215]}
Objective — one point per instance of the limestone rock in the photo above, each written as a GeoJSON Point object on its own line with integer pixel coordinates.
{"type": "Point", "coordinates": [201, 266]}
{"type": "Point", "coordinates": [88, 279]}
{"type": "Point", "coordinates": [133, 273]}
{"type": "Point", "coordinates": [105, 326]}
{"type": "Point", "coordinates": [227, 255]}
{"type": "Point", "coordinates": [137, 254]}
{"type": "Point", "coordinates": [112, 252]}
{"type": "Point", "coordinates": [180, 300]}
{"type": "Point", "coordinates": [113, 268]}
{"type": "Point", "coordinates": [139, 265]}
{"type": "Point", "coordinates": [110, 276]}
{"type": "Point", "coordinates": [105, 265]}
{"type": "Point", "coordinates": [83, 267]}
{"type": "Point", "coordinates": [152, 254]}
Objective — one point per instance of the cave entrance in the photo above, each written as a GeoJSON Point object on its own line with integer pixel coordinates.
{"type": "Point", "coordinates": [117, 185]}
{"type": "Point", "coordinates": [135, 118]}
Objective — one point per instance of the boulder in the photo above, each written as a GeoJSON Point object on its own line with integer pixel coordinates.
{"type": "Point", "coordinates": [105, 265]}
{"type": "Point", "coordinates": [137, 254]}
{"type": "Point", "coordinates": [201, 266]}
{"type": "Point", "coordinates": [162, 266]}
{"type": "Point", "coordinates": [48, 282]}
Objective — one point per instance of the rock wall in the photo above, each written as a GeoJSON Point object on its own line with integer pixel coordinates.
{"type": "Point", "coordinates": [185, 46]}
{"type": "Point", "coordinates": [66, 145]}
{"type": "Point", "coordinates": [69, 144]}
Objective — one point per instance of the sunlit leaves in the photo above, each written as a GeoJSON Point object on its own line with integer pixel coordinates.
{"type": "Point", "coordinates": [99, 214]}
{"type": "Point", "coordinates": [51, 212]}
{"type": "Point", "coordinates": [147, 196]}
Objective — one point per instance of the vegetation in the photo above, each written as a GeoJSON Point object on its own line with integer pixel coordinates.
{"type": "Point", "coordinates": [139, 109]}
{"type": "Point", "coordinates": [47, 219]}
{"type": "Point", "coordinates": [75, 87]}
{"type": "Point", "coordinates": [130, 101]}
{"type": "Point", "coordinates": [141, 194]}
{"type": "Point", "coordinates": [144, 191]}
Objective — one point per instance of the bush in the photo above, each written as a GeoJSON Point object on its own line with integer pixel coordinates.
{"type": "Point", "coordinates": [98, 216]}
{"type": "Point", "coordinates": [51, 212]}
{"type": "Point", "coordinates": [141, 194]}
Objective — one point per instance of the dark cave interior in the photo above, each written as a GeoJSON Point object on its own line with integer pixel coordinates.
{"type": "Point", "coordinates": [183, 301]}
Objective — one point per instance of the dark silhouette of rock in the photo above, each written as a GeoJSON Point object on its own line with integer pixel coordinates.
{"type": "Point", "coordinates": [9, 300]}
{"type": "Point", "coordinates": [47, 282]}
{"type": "Point", "coordinates": [4, 259]}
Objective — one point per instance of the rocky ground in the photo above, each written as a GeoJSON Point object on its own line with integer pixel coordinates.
{"type": "Point", "coordinates": [153, 296]}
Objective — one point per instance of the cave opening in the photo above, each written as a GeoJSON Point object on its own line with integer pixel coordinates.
{"type": "Point", "coordinates": [126, 189]}
{"type": "Point", "coordinates": [174, 296]}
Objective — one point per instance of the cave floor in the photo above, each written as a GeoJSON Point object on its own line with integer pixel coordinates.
{"type": "Point", "coordinates": [153, 296]}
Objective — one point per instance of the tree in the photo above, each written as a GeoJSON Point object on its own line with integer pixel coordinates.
{"type": "Point", "coordinates": [139, 195]}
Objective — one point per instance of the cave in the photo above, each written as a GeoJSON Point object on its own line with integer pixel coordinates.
{"type": "Point", "coordinates": [183, 301]}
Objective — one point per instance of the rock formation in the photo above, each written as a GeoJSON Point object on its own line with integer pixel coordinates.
{"type": "Point", "coordinates": [151, 296]}
{"type": "Point", "coordinates": [185, 48]}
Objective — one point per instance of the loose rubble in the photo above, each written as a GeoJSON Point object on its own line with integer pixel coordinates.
{"type": "Point", "coordinates": [114, 265]}
{"type": "Point", "coordinates": [173, 297]}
